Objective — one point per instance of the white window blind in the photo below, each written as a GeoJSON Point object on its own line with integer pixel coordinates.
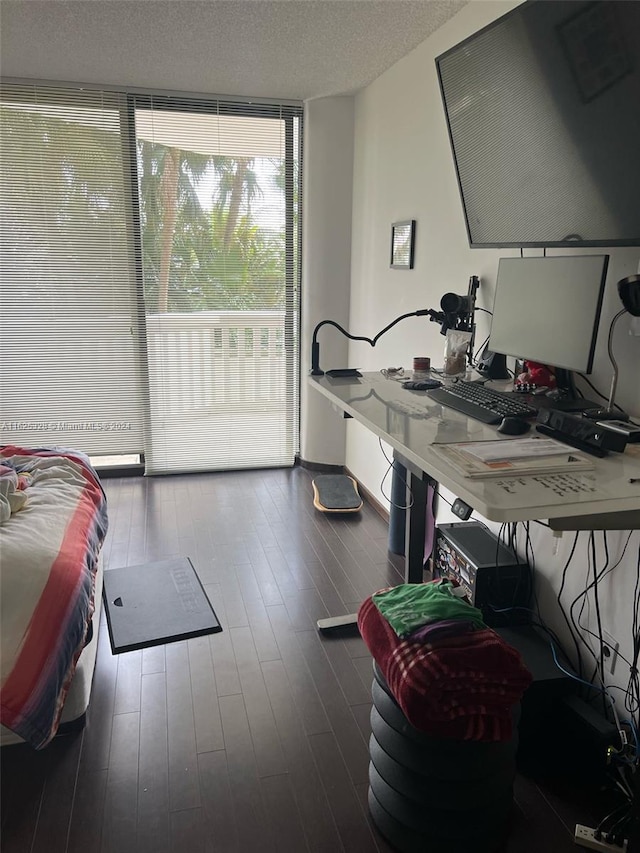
{"type": "Point", "coordinates": [150, 277]}
{"type": "Point", "coordinates": [218, 211]}
{"type": "Point", "coordinates": [70, 356]}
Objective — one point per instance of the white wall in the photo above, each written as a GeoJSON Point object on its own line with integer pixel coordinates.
{"type": "Point", "coordinates": [326, 260]}
{"type": "Point", "coordinates": [403, 168]}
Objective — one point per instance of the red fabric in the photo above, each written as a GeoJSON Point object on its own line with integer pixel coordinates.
{"type": "Point", "coordinates": [462, 688]}
{"type": "Point", "coordinates": [52, 635]}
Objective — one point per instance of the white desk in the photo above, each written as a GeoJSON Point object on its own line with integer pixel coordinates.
{"type": "Point", "coordinates": [412, 424]}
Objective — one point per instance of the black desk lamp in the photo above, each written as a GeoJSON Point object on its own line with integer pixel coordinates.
{"type": "Point", "coordinates": [457, 313]}
{"type": "Point", "coordinates": [315, 346]}
{"type": "Point", "coordinates": [629, 293]}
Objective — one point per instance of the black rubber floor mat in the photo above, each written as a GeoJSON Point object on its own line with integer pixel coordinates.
{"type": "Point", "coordinates": [156, 603]}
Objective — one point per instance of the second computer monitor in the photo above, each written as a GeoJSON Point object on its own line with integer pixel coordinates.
{"type": "Point", "coordinates": [547, 309]}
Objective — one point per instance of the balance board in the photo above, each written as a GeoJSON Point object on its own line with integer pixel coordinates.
{"type": "Point", "coordinates": [336, 493]}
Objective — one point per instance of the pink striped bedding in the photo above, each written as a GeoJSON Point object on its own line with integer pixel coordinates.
{"type": "Point", "coordinates": [49, 546]}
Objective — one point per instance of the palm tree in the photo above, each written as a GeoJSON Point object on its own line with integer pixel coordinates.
{"type": "Point", "coordinates": [194, 259]}
{"type": "Point", "coordinates": [168, 177]}
{"type": "Point", "coordinates": [238, 182]}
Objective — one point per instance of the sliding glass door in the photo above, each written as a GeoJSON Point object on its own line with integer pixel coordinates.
{"type": "Point", "coordinates": [218, 213]}
{"type": "Point", "coordinates": [150, 277]}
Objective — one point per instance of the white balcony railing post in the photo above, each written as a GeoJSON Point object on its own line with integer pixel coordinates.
{"type": "Point", "coordinates": [216, 360]}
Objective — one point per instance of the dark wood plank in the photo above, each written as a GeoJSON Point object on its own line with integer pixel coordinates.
{"type": "Point", "coordinates": [127, 698]}
{"type": "Point", "coordinates": [338, 576]}
{"type": "Point", "coordinates": [278, 565]}
{"type": "Point", "coordinates": [347, 670]}
{"type": "Point", "coordinates": [59, 791]}
{"type": "Point", "coordinates": [303, 688]}
{"type": "Point", "coordinates": [85, 830]}
{"type": "Point", "coordinates": [222, 656]}
{"type": "Point", "coordinates": [206, 713]}
{"type": "Point", "coordinates": [352, 745]}
{"type": "Point", "coordinates": [96, 744]}
{"type": "Point", "coordinates": [269, 757]}
{"type": "Point", "coordinates": [248, 807]}
{"type": "Point", "coordinates": [153, 660]}
{"type": "Point", "coordinates": [121, 798]}
{"type": "Point", "coordinates": [263, 637]}
{"type": "Point", "coordinates": [364, 668]}
{"type": "Point", "coordinates": [187, 831]}
{"type": "Point", "coordinates": [153, 781]}
{"type": "Point", "coordinates": [236, 615]}
{"type": "Point", "coordinates": [362, 716]}
{"type": "Point", "coordinates": [220, 829]}
{"type": "Point", "coordinates": [267, 584]}
{"type": "Point", "coordinates": [356, 647]}
{"type": "Point", "coordinates": [319, 826]}
{"type": "Point", "coordinates": [184, 789]}
{"type": "Point", "coordinates": [352, 825]}
{"type": "Point", "coordinates": [282, 811]}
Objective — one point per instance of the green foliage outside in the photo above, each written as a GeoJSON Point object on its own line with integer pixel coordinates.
{"type": "Point", "coordinates": [205, 259]}
{"type": "Point", "coordinates": [194, 258]}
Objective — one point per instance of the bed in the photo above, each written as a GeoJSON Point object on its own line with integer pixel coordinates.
{"type": "Point", "coordinates": [53, 521]}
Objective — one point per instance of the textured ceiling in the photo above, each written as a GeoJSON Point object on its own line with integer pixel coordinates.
{"type": "Point", "coordinates": [292, 49]}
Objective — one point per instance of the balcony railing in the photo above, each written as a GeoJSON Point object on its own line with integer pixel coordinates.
{"type": "Point", "coordinates": [216, 360]}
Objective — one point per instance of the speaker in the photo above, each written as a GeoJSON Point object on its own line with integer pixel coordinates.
{"type": "Point", "coordinates": [582, 433]}
{"type": "Point", "coordinates": [492, 365]}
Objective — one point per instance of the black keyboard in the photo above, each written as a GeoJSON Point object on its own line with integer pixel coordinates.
{"type": "Point", "coordinates": [482, 404]}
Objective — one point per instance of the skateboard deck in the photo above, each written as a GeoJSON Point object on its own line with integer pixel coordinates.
{"type": "Point", "coordinates": [336, 493]}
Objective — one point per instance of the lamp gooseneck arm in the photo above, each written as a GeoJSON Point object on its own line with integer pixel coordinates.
{"type": "Point", "coordinates": [614, 363]}
{"type": "Point", "coordinates": [422, 313]}
{"type": "Point", "coordinates": [315, 346]}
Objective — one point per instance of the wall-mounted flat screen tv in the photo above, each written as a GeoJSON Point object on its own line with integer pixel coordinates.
{"type": "Point", "coordinates": [543, 109]}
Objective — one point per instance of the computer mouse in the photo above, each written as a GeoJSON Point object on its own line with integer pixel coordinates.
{"type": "Point", "coordinates": [514, 426]}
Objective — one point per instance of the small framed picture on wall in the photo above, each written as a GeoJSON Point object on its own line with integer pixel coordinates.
{"type": "Point", "coordinates": [403, 236]}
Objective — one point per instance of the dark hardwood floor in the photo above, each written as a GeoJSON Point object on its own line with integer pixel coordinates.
{"type": "Point", "coordinates": [254, 739]}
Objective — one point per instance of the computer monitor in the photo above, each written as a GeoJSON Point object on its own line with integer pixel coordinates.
{"type": "Point", "coordinates": [547, 309]}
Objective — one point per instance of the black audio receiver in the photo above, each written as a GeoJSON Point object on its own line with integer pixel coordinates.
{"type": "Point", "coordinates": [489, 572]}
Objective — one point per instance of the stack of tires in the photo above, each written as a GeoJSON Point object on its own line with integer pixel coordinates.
{"type": "Point", "coordinates": [436, 795]}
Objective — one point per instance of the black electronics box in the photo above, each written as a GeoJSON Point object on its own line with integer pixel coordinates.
{"type": "Point", "coordinates": [488, 571]}
{"type": "Point", "coordinates": [583, 433]}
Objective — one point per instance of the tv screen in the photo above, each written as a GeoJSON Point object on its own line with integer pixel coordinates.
{"type": "Point", "coordinates": [543, 109]}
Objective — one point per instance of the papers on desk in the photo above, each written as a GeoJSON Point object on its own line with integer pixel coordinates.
{"type": "Point", "coordinates": [478, 459]}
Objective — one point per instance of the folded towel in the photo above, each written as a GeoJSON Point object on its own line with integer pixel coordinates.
{"type": "Point", "coordinates": [409, 606]}
{"type": "Point", "coordinates": [435, 632]}
{"type": "Point", "coordinates": [463, 687]}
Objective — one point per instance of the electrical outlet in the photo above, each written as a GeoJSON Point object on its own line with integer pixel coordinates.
{"type": "Point", "coordinates": [610, 651]}
{"type": "Point", "coordinates": [585, 836]}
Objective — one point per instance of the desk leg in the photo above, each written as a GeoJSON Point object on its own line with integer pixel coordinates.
{"type": "Point", "coordinates": [416, 532]}
{"type": "Point", "coordinates": [417, 496]}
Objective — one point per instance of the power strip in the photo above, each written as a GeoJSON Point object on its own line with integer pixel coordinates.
{"type": "Point", "coordinates": [585, 836]}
